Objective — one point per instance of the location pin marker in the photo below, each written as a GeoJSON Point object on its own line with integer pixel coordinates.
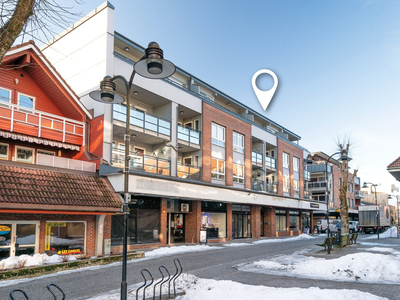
{"type": "Point", "coordinates": [264, 97]}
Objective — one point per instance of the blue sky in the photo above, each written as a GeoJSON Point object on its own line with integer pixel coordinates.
{"type": "Point", "coordinates": [338, 64]}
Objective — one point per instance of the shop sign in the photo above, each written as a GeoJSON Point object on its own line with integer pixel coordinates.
{"type": "Point", "coordinates": [314, 205]}
{"type": "Point", "coordinates": [246, 208]}
{"type": "Point", "coordinates": [4, 229]}
{"type": "Point", "coordinates": [203, 236]}
{"type": "Point", "coordinates": [236, 207]}
{"type": "Point", "coordinates": [71, 251]}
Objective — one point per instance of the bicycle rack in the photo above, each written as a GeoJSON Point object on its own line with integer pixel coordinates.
{"type": "Point", "coordinates": [161, 281]}
{"type": "Point", "coordinates": [144, 285]}
{"type": "Point", "coordinates": [177, 274]}
{"type": "Point", "coordinates": [55, 297]}
{"type": "Point", "coordinates": [18, 290]}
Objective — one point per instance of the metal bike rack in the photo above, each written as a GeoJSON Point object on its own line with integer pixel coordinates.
{"type": "Point", "coordinates": [178, 272]}
{"type": "Point", "coordinates": [55, 297]}
{"type": "Point", "coordinates": [161, 281]}
{"type": "Point", "coordinates": [144, 285]}
{"type": "Point", "coordinates": [18, 290]}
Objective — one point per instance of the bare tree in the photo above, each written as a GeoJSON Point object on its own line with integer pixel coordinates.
{"type": "Point", "coordinates": [343, 188]}
{"type": "Point", "coordinates": [31, 19]}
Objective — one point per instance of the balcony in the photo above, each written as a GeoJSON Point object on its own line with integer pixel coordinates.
{"type": "Point", "coordinates": [190, 172]}
{"type": "Point", "coordinates": [256, 159]}
{"type": "Point", "coordinates": [66, 163]}
{"type": "Point", "coordinates": [317, 185]}
{"type": "Point", "coordinates": [307, 175]}
{"type": "Point", "coordinates": [272, 187]}
{"type": "Point", "coordinates": [314, 168]}
{"type": "Point", "coordinates": [143, 121]}
{"type": "Point", "coordinates": [359, 194]}
{"type": "Point", "coordinates": [15, 118]}
{"type": "Point", "coordinates": [357, 180]}
{"type": "Point", "coordinates": [270, 163]}
{"type": "Point", "coordinates": [141, 162]}
{"type": "Point", "coordinates": [257, 185]}
{"type": "Point", "coordinates": [307, 195]}
{"type": "Point", "coordinates": [189, 136]}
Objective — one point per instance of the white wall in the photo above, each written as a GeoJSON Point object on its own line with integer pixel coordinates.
{"type": "Point", "coordinates": [263, 135]}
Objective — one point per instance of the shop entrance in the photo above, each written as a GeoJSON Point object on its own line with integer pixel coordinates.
{"type": "Point", "coordinates": [241, 226]}
{"type": "Point", "coordinates": [176, 232]}
{"type": "Point", "coordinates": [18, 237]}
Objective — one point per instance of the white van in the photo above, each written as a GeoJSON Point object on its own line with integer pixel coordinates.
{"type": "Point", "coordinates": [321, 224]}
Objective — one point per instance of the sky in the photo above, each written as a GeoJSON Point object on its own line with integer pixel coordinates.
{"type": "Point", "coordinates": [337, 63]}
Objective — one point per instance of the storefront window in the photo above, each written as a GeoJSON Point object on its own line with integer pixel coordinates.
{"type": "Point", "coordinates": [280, 220]}
{"type": "Point", "coordinates": [215, 223]}
{"type": "Point", "coordinates": [65, 238]}
{"type": "Point", "coordinates": [148, 226]}
{"type": "Point", "coordinates": [117, 229]}
{"type": "Point", "coordinates": [294, 220]}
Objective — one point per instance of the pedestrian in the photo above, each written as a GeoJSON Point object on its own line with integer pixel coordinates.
{"type": "Point", "coordinates": [338, 226]}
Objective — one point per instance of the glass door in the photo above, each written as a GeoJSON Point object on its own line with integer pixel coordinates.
{"type": "Point", "coordinates": [6, 242]}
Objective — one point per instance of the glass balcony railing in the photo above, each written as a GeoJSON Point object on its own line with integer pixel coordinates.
{"type": "Point", "coordinates": [307, 195]}
{"type": "Point", "coordinates": [270, 162]}
{"type": "Point", "coordinates": [143, 120]}
{"type": "Point", "coordinates": [257, 158]}
{"type": "Point", "coordinates": [188, 172]}
{"type": "Point", "coordinates": [188, 134]}
{"type": "Point", "coordinates": [141, 162]}
{"type": "Point", "coordinates": [272, 187]}
{"type": "Point", "coordinates": [318, 185]}
{"type": "Point", "coordinates": [257, 185]}
{"type": "Point", "coordinates": [307, 175]}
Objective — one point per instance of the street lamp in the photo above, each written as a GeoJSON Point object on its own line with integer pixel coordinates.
{"type": "Point", "coordinates": [343, 157]}
{"type": "Point", "coordinates": [153, 66]}
{"type": "Point", "coordinates": [365, 185]}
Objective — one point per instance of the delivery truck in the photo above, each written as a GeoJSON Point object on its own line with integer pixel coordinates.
{"type": "Point", "coordinates": [368, 221]}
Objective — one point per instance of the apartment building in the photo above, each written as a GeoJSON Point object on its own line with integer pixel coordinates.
{"type": "Point", "coordinates": [51, 198]}
{"type": "Point", "coordinates": [317, 184]}
{"type": "Point", "coordinates": [199, 159]}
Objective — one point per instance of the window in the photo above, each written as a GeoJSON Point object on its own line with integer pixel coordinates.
{"type": "Point", "coordinates": [217, 169]}
{"type": "Point", "coordinates": [285, 160]}
{"type": "Point", "coordinates": [218, 135]}
{"type": "Point", "coordinates": [296, 164]}
{"type": "Point", "coordinates": [4, 151]}
{"type": "Point", "coordinates": [238, 142]}
{"type": "Point", "coordinates": [286, 184]}
{"type": "Point", "coordinates": [296, 186]}
{"type": "Point", "coordinates": [51, 153]}
{"type": "Point", "coordinates": [280, 220]}
{"type": "Point", "coordinates": [24, 155]}
{"type": "Point", "coordinates": [238, 173]}
{"type": "Point", "coordinates": [5, 95]}
{"type": "Point", "coordinates": [65, 238]}
{"type": "Point", "coordinates": [351, 187]}
{"type": "Point", "coordinates": [26, 101]}
{"type": "Point", "coordinates": [215, 224]}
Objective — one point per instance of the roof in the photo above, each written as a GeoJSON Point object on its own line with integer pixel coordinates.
{"type": "Point", "coordinates": [394, 164]}
{"type": "Point", "coordinates": [25, 188]}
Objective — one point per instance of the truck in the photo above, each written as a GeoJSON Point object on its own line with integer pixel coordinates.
{"type": "Point", "coordinates": [367, 215]}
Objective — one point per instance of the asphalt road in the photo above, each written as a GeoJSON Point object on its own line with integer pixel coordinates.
{"type": "Point", "coordinates": [215, 264]}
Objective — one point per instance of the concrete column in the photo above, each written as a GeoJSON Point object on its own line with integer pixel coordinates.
{"type": "Point", "coordinates": [99, 240]}
{"type": "Point", "coordinates": [193, 223]}
{"type": "Point", "coordinates": [174, 137]}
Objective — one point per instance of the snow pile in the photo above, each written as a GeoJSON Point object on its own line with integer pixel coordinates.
{"type": "Point", "coordinates": [291, 239]}
{"type": "Point", "coordinates": [24, 261]}
{"type": "Point", "coordinates": [380, 249]}
{"type": "Point", "coordinates": [390, 233]}
{"type": "Point", "coordinates": [164, 251]}
{"type": "Point", "coordinates": [198, 289]}
{"type": "Point", "coordinates": [361, 267]}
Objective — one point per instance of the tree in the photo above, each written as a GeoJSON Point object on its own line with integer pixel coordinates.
{"type": "Point", "coordinates": [343, 188]}
{"type": "Point", "coordinates": [35, 19]}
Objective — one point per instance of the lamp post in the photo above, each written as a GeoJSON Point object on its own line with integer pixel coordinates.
{"type": "Point", "coordinates": [153, 66]}
{"type": "Point", "coordinates": [343, 157]}
{"type": "Point", "coordinates": [365, 185]}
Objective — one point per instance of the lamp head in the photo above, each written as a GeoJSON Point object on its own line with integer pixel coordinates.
{"type": "Point", "coordinates": [364, 185]}
{"type": "Point", "coordinates": [153, 65]}
{"type": "Point", "coordinates": [107, 93]}
{"type": "Point", "coordinates": [344, 157]}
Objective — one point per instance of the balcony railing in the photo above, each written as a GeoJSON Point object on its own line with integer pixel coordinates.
{"type": "Point", "coordinates": [307, 175]}
{"type": "Point", "coordinates": [15, 118]}
{"type": "Point", "coordinates": [307, 195]}
{"type": "Point", "coordinates": [270, 162]}
{"type": "Point", "coordinates": [142, 163]}
{"type": "Point", "coordinates": [257, 158]}
{"type": "Point", "coordinates": [63, 162]}
{"type": "Point", "coordinates": [272, 187]}
{"type": "Point", "coordinates": [257, 185]}
{"type": "Point", "coordinates": [318, 168]}
{"type": "Point", "coordinates": [144, 120]}
{"type": "Point", "coordinates": [360, 194]}
{"type": "Point", "coordinates": [318, 185]}
{"type": "Point", "coordinates": [188, 172]}
{"type": "Point", "coordinates": [188, 134]}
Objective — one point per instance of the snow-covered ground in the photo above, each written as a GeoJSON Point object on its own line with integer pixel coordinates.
{"type": "Point", "coordinates": [32, 261]}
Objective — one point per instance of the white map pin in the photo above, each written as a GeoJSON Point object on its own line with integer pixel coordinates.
{"type": "Point", "coordinates": [264, 97]}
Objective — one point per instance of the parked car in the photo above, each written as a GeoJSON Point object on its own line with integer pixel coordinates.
{"type": "Point", "coordinates": [353, 226]}
{"type": "Point", "coordinates": [321, 225]}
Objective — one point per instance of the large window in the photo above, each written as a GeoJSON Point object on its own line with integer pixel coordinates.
{"type": "Point", "coordinates": [218, 135]}
{"type": "Point", "coordinates": [296, 164]}
{"type": "Point", "coordinates": [296, 186]}
{"type": "Point", "coordinates": [238, 173]}
{"type": "Point", "coordinates": [213, 219]}
{"type": "Point", "coordinates": [280, 220]}
{"type": "Point", "coordinates": [217, 169]}
{"type": "Point", "coordinates": [24, 155]}
{"type": "Point", "coordinates": [286, 184]}
{"type": "Point", "coordinates": [238, 142]}
{"type": "Point", "coordinates": [294, 220]}
{"type": "Point", "coordinates": [5, 95]}
{"type": "Point", "coordinates": [26, 101]}
{"type": "Point", "coordinates": [285, 160]}
{"type": "Point", "coordinates": [65, 237]}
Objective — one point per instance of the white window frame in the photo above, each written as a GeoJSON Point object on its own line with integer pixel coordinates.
{"type": "Point", "coordinates": [236, 145]}
{"type": "Point", "coordinates": [25, 148]}
{"type": "Point", "coordinates": [286, 184]}
{"type": "Point", "coordinates": [218, 175]}
{"type": "Point", "coordinates": [296, 164]}
{"type": "Point", "coordinates": [237, 178]}
{"type": "Point", "coordinates": [33, 101]}
{"type": "Point", "coordinates": [9, 96]}
{"type": "Point", "coordinates": [286, 158]}
{"type": "Point", "coordinates": [296, 186]}
{"type": "Point", "coordinates": [8, 151]}
{"type": "Point", "coordinates": [217, 140]}
{"type": "Point", "coordinates": [46, 152]}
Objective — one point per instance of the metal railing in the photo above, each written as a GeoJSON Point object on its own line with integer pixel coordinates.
{"type": "Point", "coordinates": [63, 162]}
{"type": "Point", "coordinates": [318, 185]}
{"type": "Point", "coordinates": [270, 162]}
{"type": "Point", "coordinates": [188, 171]}
{"type": "Point", "coordinates": [44, 124]}
{"type": "Point", "coordinates": [319, 168]}
{"type": "Point", "coordinates": [142, 163]}
{"type": "Point", "coordinates": [272, 187]}
{"type": "Point", "coordinates": [144, 120]}
{"type": "Point", "coordinates": [257, 158]}
{"type": "Point", "coordinates": [188, 134]}
{"type": "Point", "coordinates": [257, 185]}
{"type": "Point", "coordinates": [360, 194]}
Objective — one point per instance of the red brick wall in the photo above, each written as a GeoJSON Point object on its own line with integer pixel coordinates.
{"type": "Point", "coordinates": [229, 221]}
{"type": "Point", "coordinates": [255, 222]}
{"type": "Point", "coordinates": [192, 223]}
{"type": "Point", "coordinates": [163, 222]}
{"type": "Point", "coordinates": [269, 222]}
{"type": "Point", "coordinates": [212, 114]}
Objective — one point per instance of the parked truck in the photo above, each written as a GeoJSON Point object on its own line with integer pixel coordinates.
{"type": "Point", "coordinates": [367, 215]}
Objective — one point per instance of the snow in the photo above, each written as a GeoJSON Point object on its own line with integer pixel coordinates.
{"type": "Point", "coordinates": [31, 261]}
{"type": "Point", "coordinates": [390, 233]}
{"type": "Point", "coordinates": [166, 251]}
